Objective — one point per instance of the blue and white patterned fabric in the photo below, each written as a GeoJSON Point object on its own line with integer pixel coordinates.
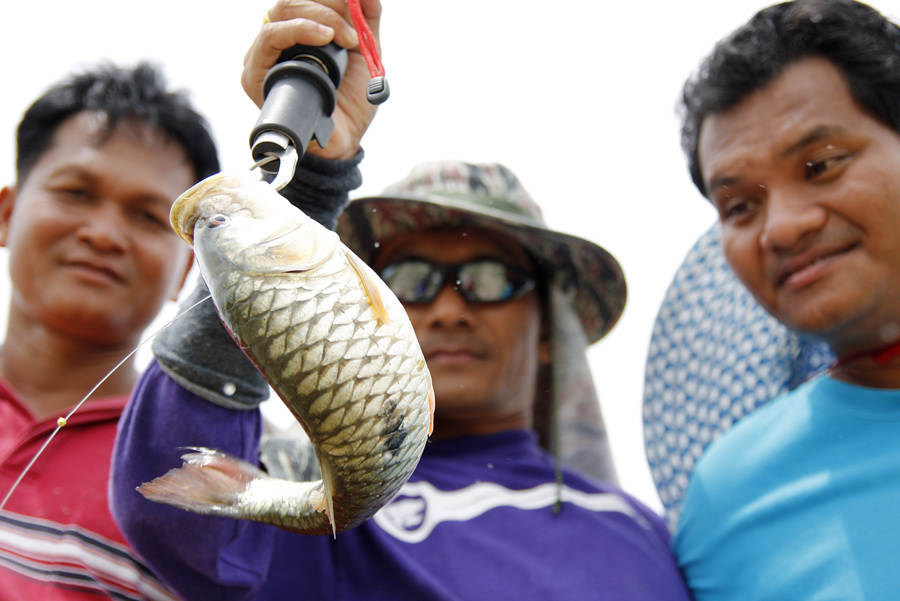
{"type": "Point", "coordinates": [715, 356]}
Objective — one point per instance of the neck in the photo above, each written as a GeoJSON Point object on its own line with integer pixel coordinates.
{"type": "Point", "coordinates": [448, 427]}
{"type": "Point", "coordinates": [879, 368]}
{"type": "Point", "coordinates": [52, 373]}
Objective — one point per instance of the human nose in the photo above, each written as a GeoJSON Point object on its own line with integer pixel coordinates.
{"type": "Point", "coordinates": [789, 218]}
{"type": "Point", "coordinates": [104, 230]}
{"type": "Point", "coordinates": [449, 308]}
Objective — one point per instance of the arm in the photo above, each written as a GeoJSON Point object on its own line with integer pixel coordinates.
{"type": "Point", "coordinates": [198, 353]}
{"type": "Point", "coordinates": [297, 22]}
{"type": "Point", "coordinates": [200, 557]}
{"type": "Point", "coordinates": [179, 400]}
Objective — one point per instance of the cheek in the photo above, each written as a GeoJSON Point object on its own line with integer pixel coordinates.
{"type": "Point", "coordinates": [521, 331]}
{"type": "Point", "coordinates": [415, 314]}
{"type": "Point", "coordinates": [742, 254]}
{"type": "Point", "coordinates": [34, 245]}
{"type": "Point", "coordinates": [162, 260]}
{"type": "Point", "coordinates": [31, 227]}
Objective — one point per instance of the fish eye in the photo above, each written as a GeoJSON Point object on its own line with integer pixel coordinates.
{"type": "Point", "coordinates": [217, 220]}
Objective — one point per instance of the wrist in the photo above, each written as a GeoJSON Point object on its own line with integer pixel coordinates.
{"type": "Point", "coordinates": [321, 187]}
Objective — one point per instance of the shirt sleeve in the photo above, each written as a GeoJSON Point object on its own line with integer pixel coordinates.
{"type": "Point", "coordinates": [198, 556]}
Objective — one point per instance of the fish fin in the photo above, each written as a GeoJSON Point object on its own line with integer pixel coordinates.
{"type": "Point", "coordinates": [370, 286]}
{"type": "Point", "coordinates": [318, 501]}
{"type": "Point", "coordinates": [431, 403]}
{"type": "Point", "coordinates": [209, 482]}
{"type": "Point", "coordinates": [325, 468]}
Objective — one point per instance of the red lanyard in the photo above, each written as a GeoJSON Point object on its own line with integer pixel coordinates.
{"type": "Point", "coordinates": [366, 39]}
{"type": "Point", "coordinates": [881, 356]}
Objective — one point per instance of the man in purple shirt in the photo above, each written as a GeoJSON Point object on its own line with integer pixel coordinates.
{"type": "Point", "coordinates": [508, 500]}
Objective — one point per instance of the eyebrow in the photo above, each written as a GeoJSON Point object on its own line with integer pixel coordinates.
{"type": "Point", "coordinates": [72, 171]}
{"type": "Point", "coordinates": [80, 173]}
{"type": "Point", "coordinates": [416, 256]}
{"type": "Point", "coordinates": [818, 134]}
{"type": "Point", "coordinates": [720, 182]}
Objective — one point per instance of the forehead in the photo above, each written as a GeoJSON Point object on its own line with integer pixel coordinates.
{"type": "Point", "coordinates": [809, 94]}
{"type": "Point", "coordinates": [91, 129]}
{"type": "Point", "coordinates": [452, 245]}
{"type": "Point", "coordinates": [133, 154]}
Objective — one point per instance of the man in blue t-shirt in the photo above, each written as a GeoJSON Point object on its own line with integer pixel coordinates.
{"type": "Point", "coordinates": [791, 131]}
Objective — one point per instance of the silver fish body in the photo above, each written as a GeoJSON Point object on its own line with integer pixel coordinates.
{"type": "Point", "coordinates": [334, 343]}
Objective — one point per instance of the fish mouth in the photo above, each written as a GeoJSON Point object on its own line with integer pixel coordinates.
{"type": "Point", "coordinates": [186, 209]}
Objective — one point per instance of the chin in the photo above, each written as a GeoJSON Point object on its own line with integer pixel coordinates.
{"type": "Point", "coordinates": [823, 313]}
{"type": "Point", "coordinates": [823, 325]}
{"type": "Point", "coordinates": [458, 397]}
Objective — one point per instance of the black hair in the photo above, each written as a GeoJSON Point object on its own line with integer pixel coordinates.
{"type": "Point", "coordinates": [137, 94]}
{"type": "Point", "coordinates": [857, 39]}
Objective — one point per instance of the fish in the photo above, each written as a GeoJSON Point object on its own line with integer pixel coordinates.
{"type": "Point", "coordinates": [333, 342]}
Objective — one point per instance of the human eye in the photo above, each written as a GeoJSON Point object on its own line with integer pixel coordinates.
{"type": "Point", "coordinates": [71, 192]}
{"type": "Point", "coordinates": [736, 208]}
{"type": "Point", "coordinates": [824, 166]}
{"type": "Point", "coordinates": [151, 218]}
{"type": "Point", "coordinates": [412, 281]}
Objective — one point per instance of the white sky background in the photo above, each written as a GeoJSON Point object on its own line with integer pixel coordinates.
{"type": "Point", "coordinates": [577, 98]}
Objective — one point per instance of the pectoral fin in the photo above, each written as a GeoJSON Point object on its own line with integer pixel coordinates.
{"type": "Point", "coordinates": [431, 408]}
{"type": "Point", "coordinates": [370, 286]}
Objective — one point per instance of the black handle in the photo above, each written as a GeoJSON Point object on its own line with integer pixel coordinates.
{"type": "Point", "coordinates": [300, 95]}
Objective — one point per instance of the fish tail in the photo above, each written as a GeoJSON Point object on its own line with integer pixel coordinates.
{"type": "Point", "coordinates": [209, 482]}
{"type": "Point", "coordinates": [213, 483]}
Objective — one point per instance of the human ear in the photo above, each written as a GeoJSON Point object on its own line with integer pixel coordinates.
{"type": "Point", "coordinates": [7, 200]}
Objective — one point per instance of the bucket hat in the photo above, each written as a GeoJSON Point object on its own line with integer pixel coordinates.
{"type": "Point", "coordinates": [585, 283]}
{"type": "Point", "coordinates": [454, 193]}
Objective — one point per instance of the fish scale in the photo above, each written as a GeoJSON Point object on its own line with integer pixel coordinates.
{"type": "Point", "coordinates": [333, 342]}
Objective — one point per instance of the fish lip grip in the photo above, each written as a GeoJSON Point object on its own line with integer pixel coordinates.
{"type": "Point", "coordinates": [300, 94]}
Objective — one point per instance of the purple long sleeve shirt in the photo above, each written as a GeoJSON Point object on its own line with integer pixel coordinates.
{"type": "Point", "coordinates": [475, 521]}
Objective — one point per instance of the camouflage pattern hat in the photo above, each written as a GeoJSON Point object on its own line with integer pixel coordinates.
{"type": "Point", "coordinates": [586, 287]}
{"type": "Point", "coordinates": [452, 193]}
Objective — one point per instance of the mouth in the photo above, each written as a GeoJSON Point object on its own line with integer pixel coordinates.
{"type": "Point", "coordinates": [449, 357]}
{"type": "Point", "coordinates": [95, 270]}
{"type": "Point", "coordinates": [184, 214]}
{"type": "Point", "coordinates": [448, 354]}
{"type": "Point", "coordinates": [807, 267]}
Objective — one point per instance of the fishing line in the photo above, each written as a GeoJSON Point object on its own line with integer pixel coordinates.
{"type": "Point", "coordinates": [61, 422]}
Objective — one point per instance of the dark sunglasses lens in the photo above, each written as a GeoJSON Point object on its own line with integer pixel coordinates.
{"type": "Point", "coordinates": [492, 281]}
{"type": "Point", "coordinates": [413, 281]}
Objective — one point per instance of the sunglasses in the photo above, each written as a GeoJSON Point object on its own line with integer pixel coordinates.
{"type": "Point", "coordinates": [484, 281]}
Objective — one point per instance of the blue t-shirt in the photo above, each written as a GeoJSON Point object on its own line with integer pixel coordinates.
{"type": "Point", "coordinates": [800, 500]}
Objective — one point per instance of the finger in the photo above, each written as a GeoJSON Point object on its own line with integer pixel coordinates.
{"type": "Point", "coordinates": [272, 40]}
{"type": "Point", "coordinates": [372, 11]}
{"type": "Point", "coordinates": [331, 13]}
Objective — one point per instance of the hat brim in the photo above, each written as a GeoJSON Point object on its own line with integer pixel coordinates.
{"type": "Point", "coordinates": [591, 277]}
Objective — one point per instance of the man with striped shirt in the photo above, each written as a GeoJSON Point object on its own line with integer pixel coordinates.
{"type": "Point", "coordinates": [100, 159]}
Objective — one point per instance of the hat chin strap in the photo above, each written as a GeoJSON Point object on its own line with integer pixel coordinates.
{"type": "Point", "coordinates": [578, 437]}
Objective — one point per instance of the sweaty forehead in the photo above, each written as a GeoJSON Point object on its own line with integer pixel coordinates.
{"type": "Point", "coordinates": [452, 245]}
{"type": "Point", "coordinates": [808, 95]}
